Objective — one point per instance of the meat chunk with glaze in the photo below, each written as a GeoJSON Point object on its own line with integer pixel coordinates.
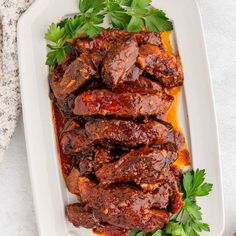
{"type": "Point", "coordinates": [79, 216]}
{"type": "Point", "coordinates": [118, 62]}
{"type": "Point", "coordinates": [136, 103]}
{"type": "Point", "coordinates": [140, 83]}
{"type": "Point", "coordinates": [120, 132]}
{"type": "Point", "coordinates": [124, 206]}
{"type": "Point", "coordinates": [78, 73]}
{"type": "Point", "coordinates": [147, 167]}
{"type": "Point", "coordinates": [90, 164]}
{"type": "Point", "coordinates": [162, 65]}
{"type": "Point", "coordinates": [108, 38]}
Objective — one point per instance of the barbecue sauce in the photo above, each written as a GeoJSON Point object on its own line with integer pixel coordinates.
{"type": "Point", "coordinates": [172, 115]}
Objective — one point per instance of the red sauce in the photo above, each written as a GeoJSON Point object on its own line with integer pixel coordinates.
{"type": "Point", "coordinates": [172, 117]}
{"type": "Point", "coordinates": [59, 123]}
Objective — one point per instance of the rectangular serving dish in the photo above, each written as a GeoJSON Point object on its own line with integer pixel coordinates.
{"type": "Point", "coordinates": [197, 115]}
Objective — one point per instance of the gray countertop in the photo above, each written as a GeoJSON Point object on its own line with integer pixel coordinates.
{"type": "Point", "coordinates": [219, 20]}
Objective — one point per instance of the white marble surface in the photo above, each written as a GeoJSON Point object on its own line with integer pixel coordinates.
{"type": "Point", "coordinates": [219, 19]}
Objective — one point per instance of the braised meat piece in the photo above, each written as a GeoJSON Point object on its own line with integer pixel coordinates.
{"type": "Point", "coordinates": [124, 206]}
{"type": "Point", "coordinates": [132, 75]}
{"type": "Point", "coordinates": [72, 181]}
{"type": "Point", "coordinates": [176, 202]}
{"type": "Point", "coordinates": [108, 38]}
{"type": "Point", "coordinates": [148, 38]}
{"type": "Point", "coordinates": [167, 194]}
{"type": "Point", "coordinates": [147, 167]}
{"type": "Point", "coordinates": [102, 42]}
{"type": "Point", "coordinates": [90, 164]}
{"type": "Point", "coordinates": [79, 216]}
{"type": "Point", "coordinates": [121, 132]}
{"type": "Point", "coordinates": [118, 62]}
{"type": "Point", "coordinates": [78, 73]}
{"type": "Point", "coordinates": [139, 102]}
{"type": "Point", "coordinates": [141, 83]}
{"type": "Point", "coordinates": [164, 66]}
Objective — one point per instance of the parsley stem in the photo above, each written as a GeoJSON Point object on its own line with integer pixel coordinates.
{"type": "Point", "coordinates": [182, 215]}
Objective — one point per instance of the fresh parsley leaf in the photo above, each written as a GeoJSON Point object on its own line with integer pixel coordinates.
{"type": "Point", "coordinates": [95, 5]}
{"type": "Point", "coordinates": [134, 232]}
{"type": "Point", "coordinates": [55, 33]}
{"type": "Point", "coordinates": [140, 7]}
{"type": "Point", "coordinates": [123, 2]}
{"type": "Point", "coordinates": [156, 21]}
{"type": "Point", "coordinates": [192, 209]}
{"type": "Point", "coordinates": [193, 184]}
{"type": "Point", "coordinates": [140, 4]}
{"type": "Point", "coordinates": [120, 20]}
{"type": "Point", "coordinates": [175, 228]}
{"type": "Point", "coordinates": [91, 30]}
{"type": "Point", "coordinates": [119, 17]}
{"type": "Point", "coordinates": [136, 24]}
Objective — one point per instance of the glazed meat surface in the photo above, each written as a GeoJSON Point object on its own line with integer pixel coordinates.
{"type": "Point", "coordinates": [140, 83]}
{"type": "Point", "coordinates": [164, 66]}
{"type": "Point", "coordinates": [79, 216]}
{"type": "Point", "coordinates": [113, 97]}
{"type": "Point", "coordinates": [90, 164]}
{"type": "Point", "coordinates": [118, 62]}
{"type": "Point", "coordinates": [78, 73]}
{"type": "Point", "coordinates": [124, 206]}
{"type": "Point", "coordinates": [108, 38]}
{"type": "Point", "coordinates": [126, 133]}
{"type": "Point", "coordinates": [139, 102]}
{"type": "Point", "coordinates": [147, 167]}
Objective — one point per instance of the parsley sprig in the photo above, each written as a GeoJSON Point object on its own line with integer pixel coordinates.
{"type": "Point", "coordinates": [130, 15]}
{"type": "Point", "coordinates": [188, 222]}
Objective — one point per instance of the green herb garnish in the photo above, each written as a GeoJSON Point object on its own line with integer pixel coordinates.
{"type": "Point", "coordinates": [188, 222]}
{"type": "Point", "coordinates": [130, 15]}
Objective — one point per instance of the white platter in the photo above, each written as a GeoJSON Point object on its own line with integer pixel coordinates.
{"type": "Point", "coordinates": [197, 115]}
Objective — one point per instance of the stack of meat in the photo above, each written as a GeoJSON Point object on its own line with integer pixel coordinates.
{"type": "Point", "coordinates": [112, 89]}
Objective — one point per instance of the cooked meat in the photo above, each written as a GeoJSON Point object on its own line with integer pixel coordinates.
{"type": "Point", "coordinates": [147, 167]}
{"type": "Point", "coordinates": [148, 38]}
{"type": "Point", "coordinates": [179, 139]}
{"type": "Point", "coordinates": [143, 102]}
{"type": "Point", "coordinates": [108, 38]}
{"type": "Point", "coordinates": [118, 62]}
{"type": "Point", "coordinates": [81, 217]}
{"type": "Point", "coordinates": [132, 75]}
{"type": "Point", "coordinates": [112, 96]}
{"type": "Point", "coordinates": [164, 66]}
{"type": "Point", "coordinates": [72, 181]}
{"type": "Point", "coordinates": [126, 133]}
{"type": "Point", "coordinates": [124, 206]}
{"type": "Point", "coordinates": [140, 83]}
{"type": "Point", "coordinates": [176, 202]}
{"type": "Point", "coordinates": [89, 165]}
{"type": "Point", "coordinates": [102, 42]}
{"type": "Point", "coordinates": [78, 73]}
